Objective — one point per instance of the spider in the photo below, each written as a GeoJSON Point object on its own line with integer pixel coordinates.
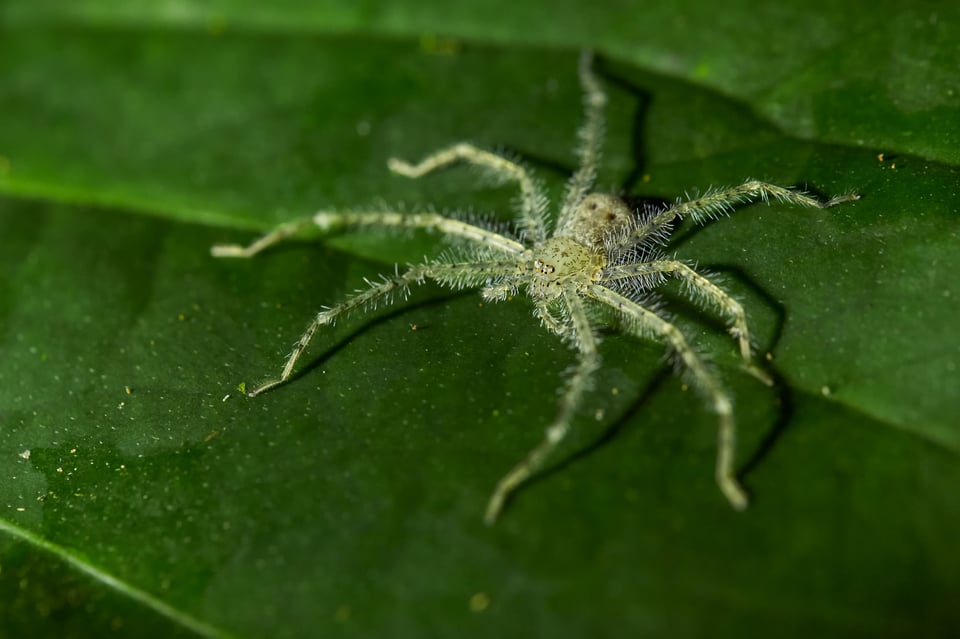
{"type": "Point", "coordinates": [599, 254]}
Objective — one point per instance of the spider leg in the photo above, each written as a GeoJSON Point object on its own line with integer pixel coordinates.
{"type": "Point", "coordinates": [591, 141]}
{"type": "Point", "coordinates": [582, 336]}
{"type": "Point", "coordinates": [542, 311]}
{"type": "Point", "coordinates": [275, 236]}
{"type": "Point", "coordinates": [723, 201]}
{"type": "Point", "coordinates": [644, 322]}
{"type": "Point", "coordinates": [456, 275]}
{"type": "Point", "coordinates": [327, 220]}
{"type": "Point", "coordinates": [700, 288]}
{"type": "Point", "coordinates": [533, 200]}
{"type": "Point", "coordinates": [498, 292]}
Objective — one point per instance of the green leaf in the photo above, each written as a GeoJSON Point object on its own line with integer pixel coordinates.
{"type": "Point", "coordinates": [143, 495]}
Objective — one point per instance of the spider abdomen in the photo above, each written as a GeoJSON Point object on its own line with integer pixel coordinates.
{"type": "Point", "coordinates": [596, 216]}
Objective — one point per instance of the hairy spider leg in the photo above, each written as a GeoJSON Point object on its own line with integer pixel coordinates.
{"type": "Point", "coordinates": [580, 334]}
{"type": "Point", "coordinates": [533, 199]}
{"type": "Point", "coordinates": [456, 275]}
{"type": "Point", "coordinates": [590, 137]}
{"type": "Point", "coordinates": [451, 274]}
{"type": "Point", "coordinates": [645, 323]}
{"type": "Point", "coordinates": [722, 202]}
{"type": "Point", "coordinates": [700, 289]}
{"type": "Point", "coordinates": [328, 220]}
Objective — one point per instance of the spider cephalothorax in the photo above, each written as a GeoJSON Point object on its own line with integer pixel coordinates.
{"type": "Point", "coordinates": [598, 252]}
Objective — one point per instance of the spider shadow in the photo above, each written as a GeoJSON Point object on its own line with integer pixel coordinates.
{"type": "Point", "coordinates": [783, 392]}
{"type": "Point", "coordinates": [784, 400]}
{"type": "Point", "coordinates": [643, 99]}
{"type": "Point", "coordinates": [638, 152]}
{"type": "Point", "coordinates": [685, 307]}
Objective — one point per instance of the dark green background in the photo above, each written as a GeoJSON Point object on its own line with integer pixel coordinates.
{"type": "Point", "coordinates": [134, 135]}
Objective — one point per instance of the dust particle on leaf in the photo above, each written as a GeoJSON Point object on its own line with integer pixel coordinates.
{"type": "Point", "coordinates": [479, 602]}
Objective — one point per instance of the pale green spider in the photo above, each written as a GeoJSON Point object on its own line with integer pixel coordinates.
{"type": "Point", "coordinates": [599, 252]}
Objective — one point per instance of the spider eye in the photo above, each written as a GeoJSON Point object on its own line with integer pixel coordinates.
{"type": "Point", "coordinates": [544, 268]}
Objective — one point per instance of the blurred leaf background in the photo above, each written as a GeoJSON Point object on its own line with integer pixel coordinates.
{"type": "Point", "coordinates": [142, 495]}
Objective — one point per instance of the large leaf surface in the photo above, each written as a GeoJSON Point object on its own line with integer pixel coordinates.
{"type": "Point", "coordinates": [349, 502]}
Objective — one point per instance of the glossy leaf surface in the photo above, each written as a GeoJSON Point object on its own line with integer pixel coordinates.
{"type": "Point", "coordinates": [144, 496]}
